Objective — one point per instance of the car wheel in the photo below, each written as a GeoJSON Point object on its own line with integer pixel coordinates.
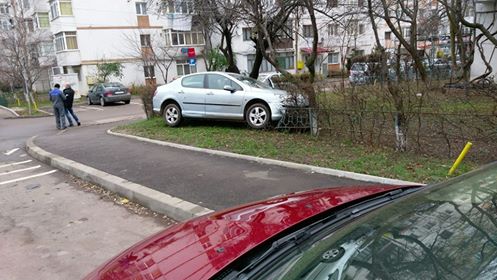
{"type": "Point", "coordinates": [127, 101]}
{"type": "Point", "coordinates": [258, 116]}
{"type": "Point", "coordinates": [102, 102]}
{"type": "Point", "coordinates": [172, 115]}
{"type": "Point", "coordinates": [88, 100]}
{"type": "Point", "coordinates": [332, 255]}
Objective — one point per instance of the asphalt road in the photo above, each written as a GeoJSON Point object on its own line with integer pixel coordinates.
{"type": "Point", "coordinates": [51, 226]}
{"type": "Point", "coordinates": [214, 182]}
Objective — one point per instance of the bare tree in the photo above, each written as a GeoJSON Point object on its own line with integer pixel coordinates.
{"type": "Point", "coordinates": [270, 23]}
{"type": "Point", "coordinates": [221, 16]}
{"type": "Point", "coordinates": [151, 50]}
{"type": "Point", "coordinates": [19, 51]}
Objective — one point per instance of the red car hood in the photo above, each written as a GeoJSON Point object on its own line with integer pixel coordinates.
{"type": "Point", "coordinates": [201, 247]}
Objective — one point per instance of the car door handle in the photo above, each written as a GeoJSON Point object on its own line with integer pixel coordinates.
{"type": "Point", "coordinates": [181, 92]}
{"type": "Point", "coordinates": [210, 93]}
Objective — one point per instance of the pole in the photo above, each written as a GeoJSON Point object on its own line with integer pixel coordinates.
{"type": "Point", "coordinates": [460, 158]}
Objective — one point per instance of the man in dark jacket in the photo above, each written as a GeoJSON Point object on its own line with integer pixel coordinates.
{"type": "Point", "coordinates": [69, 93]}
{"type": "Point", "coordinates": [57, 97]}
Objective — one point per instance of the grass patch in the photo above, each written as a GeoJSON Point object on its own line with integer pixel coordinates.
{"type": "Point", "coordinates": [300, 148]}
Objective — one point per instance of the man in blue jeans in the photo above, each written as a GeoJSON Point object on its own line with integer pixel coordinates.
{"type": "Point", "coordinates": [57, 97]}
{"type": "Point", "coordinates": [69, 93]}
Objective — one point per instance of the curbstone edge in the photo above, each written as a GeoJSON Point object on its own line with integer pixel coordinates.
{"type": "Point", "coordinates": [292, 165]}
{"type": "Point", "coordinates": [173, 207]}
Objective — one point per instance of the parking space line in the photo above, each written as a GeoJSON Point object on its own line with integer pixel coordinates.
{"type": "Point", "coordinates": [27, 177]}
{"type": "Point", "coordinates": [15, 163]}
{"type": "Point", "coordinates": [8, 153]}
{"type": "Point", "coordinates": [135, 103]}
{"type": "Point", "coordinates": [92, 108]}
{"type": "Point", "coordinates": [20, 170]}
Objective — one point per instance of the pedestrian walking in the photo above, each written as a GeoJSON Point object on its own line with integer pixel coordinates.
{"type": "Point", "coordinates": [69, 93]}
{"type": "Point", "coordinates": [57, 97]}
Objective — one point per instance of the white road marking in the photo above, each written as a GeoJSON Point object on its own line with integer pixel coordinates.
{"type": "Point", "coordinates": [8, 153]}
{"type": "Point", "coordinates": [20, 170]}
{"type": "Point", "coordinates": [27, 177]}
{"type": "Point", "coordinates": [92, 108]}
{"type": "Point", "coordinates": [15, 163]}
{"type": "Point", "coordinates": [135, 103]}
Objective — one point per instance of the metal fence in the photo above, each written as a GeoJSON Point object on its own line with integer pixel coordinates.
{"type": "Point", "coordinates": [434, 134]}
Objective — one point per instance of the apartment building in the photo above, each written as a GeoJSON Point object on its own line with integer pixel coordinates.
{"type": "Point", "coordinates": [85, 33]}
{"type": "Point", "coordinates": [352, 34]}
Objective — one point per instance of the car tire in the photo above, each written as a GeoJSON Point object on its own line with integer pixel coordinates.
{"type": "Point", "coordinates": [88, 101]}
{"type": "Point", "coordinates": [102, 102]}
{"type": "Point", "coordinates": [172, 115]}
{"type": "Point", "coordinates": [258, 116]}
{"type": "Point", "coordinates": [127, 101]}
{"type": "Point", "coordinates": [332, 255]}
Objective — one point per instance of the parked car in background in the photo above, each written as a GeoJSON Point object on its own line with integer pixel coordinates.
{"type": "Point", "coordinates": [105, 93]}
{"type": "Point", "coordinates": [267, 78]}
{"type": "Point", "coordinates": [445, 231]}
{"type": "Point", "coordinates": [219, 95]}
{"type": "Point", "coordinates": [362, 73]}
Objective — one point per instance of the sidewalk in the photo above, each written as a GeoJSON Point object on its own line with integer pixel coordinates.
{"type": "Point", "coordinates": [212, 181]}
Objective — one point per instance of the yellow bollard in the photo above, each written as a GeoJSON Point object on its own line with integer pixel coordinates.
{"type": "Point", "coordinates": [460, 158]}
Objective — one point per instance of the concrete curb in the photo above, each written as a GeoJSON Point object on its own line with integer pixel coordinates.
{"type": "Point", "coordinates": [10, 111]}
{"type": "Point", "coordinates": [173, 207]}
{"type": "Point", "coordinates": [293, 165]}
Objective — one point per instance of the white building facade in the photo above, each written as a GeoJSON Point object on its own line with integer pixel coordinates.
{"type": "Point", "coordinates": [85, 33]}
{"type": "Point", "coordinates": [485, 13]}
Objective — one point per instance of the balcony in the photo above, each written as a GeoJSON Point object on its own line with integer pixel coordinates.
{"type": "Point", "coordinates": [68, 57]}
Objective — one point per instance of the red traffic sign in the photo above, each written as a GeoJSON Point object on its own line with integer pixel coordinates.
{"type": "Point", "coordinates": [191, 52]}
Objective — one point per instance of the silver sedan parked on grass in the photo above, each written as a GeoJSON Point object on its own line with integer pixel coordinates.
{"type": "Point", "coordinates": [219, 95]}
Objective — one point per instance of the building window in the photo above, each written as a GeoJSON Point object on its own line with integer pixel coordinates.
{"type": "Point", "coordinates": [149, 72]}
{"type": "Point", "coordinates": [66, 41]}
{"type": "Point", "coordinates": [361, 29]}
{"type": "Point", "coordinates": [388, 35]}
{"type": "Point", "coordinates": [42, 20]}
{"type": "Point", "coordinates": [332, 29]}
{"type": "Point", "coordinates": [29, 25]}
{"type": "Point", "coordinates": [351, 2]}
{"type": "Point", "coordinates": [145, 40]}
{"type": "Point", "coordinates": [332, 3]}
{"type": "Point", "coordinates": [286, 60]}
{"type": "Point", "coordinates": [4, 24]}
{"type": "Point", "coordinates": [307, 31]}
{"type": "Point", "coordinates": [184, 68]}
{"type": "Point", "coordinates": [353, 27]}
{"type": "Point", "coordinates": [184, 38]}
{"type": "Point", "coordinates": [25, 4]}
{"type": "Point", "coordinates": [4, 8]}
{"type": "Point", "coordinates": [141, 8]}
{"type": "Point", "coordinates": [180, 7]}
{"type": "Point", "coordinates": [406, 31]}
{"type": "Point", "coordinates": [247, 33]}
{"type": "Point", "coordinates": [60, 8]}
{"type": "Point", "coordinates": [46, 49]}
{"type": "Point", "coordinates": [333, 58]}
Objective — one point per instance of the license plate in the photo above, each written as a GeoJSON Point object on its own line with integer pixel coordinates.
{"type": "Point", "coordinates": [119, 92]}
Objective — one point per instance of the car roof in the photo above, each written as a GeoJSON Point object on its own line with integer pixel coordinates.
{"type": "Point", "coordinates": [202, 247]}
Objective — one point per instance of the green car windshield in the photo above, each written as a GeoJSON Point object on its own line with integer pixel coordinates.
{"type": "Point", "coordinates": [448, 231]}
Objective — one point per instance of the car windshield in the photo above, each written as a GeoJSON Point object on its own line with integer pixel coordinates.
{"type": "Point", "coordinates": [447, 231]}
{"type": "Point", "coordinates": [118, 85]}
{"type": "Point", "coordinates": [249, 81]}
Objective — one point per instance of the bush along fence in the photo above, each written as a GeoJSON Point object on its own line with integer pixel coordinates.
{"type": "Point", "coordinates": [408, 116]}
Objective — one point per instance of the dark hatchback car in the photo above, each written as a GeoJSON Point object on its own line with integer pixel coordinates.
{"type": "Point", "coordinates": [105, 93]}
{"type": "Point", "coordinates": [446, 231]}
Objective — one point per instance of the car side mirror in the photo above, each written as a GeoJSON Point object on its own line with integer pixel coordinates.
{"type": "Point", "coordinates": [229, 88]}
